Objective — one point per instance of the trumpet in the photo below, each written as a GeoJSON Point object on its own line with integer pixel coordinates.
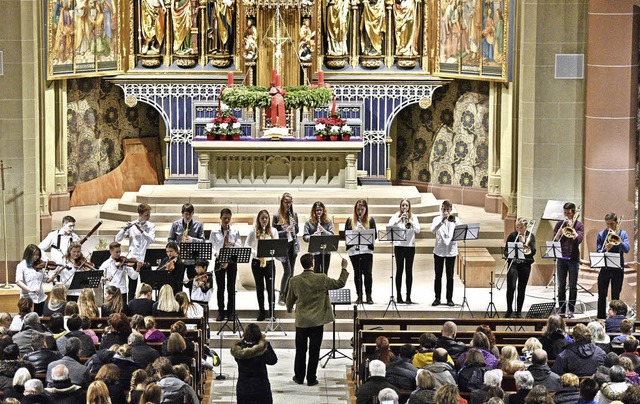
{"type": "Point", "coordinates": [405, 219]}
{"type": "Point", "coordinates": [614, 237]}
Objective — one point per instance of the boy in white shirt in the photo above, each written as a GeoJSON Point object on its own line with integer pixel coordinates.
{"type": "Point", "coordinates": [116, 271]}
{"type": "Point", "coordinates": [58, 240]}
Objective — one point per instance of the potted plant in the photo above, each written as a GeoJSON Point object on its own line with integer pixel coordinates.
{"type": "Point", "coordinates": [346, 132]}
{"type": "Point", "coordinates": [225, 126]}
{"type": "Point", "coordinates": [320, 130]}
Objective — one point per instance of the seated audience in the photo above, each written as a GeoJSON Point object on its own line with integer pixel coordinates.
{"type": "Point", "coordinates": [382, 353]}
{"type": "Point", "coordinates": [136, 322]}
{"type": "Point", "coordinates": [401, 372]}
{"type": "Point", "coordinates": [76, 371]}
{"type": "Point", "coordinates": [139, 381]}
{"type": "Point", "coordinates": [538, 395]}
{"type": "Point", "coordinates": [492, 378]}
{"type": "Point", "coordinates": [602, 373]}
{"type": "Point", "coordinates": [143, 355]}
{"type": "Point", "coordinates": [114, 302]}
{"type": "Point", "coordinates": [109, 374]}
{"type": "Point", "coordinates": [167, 305]}
{"type": "Point", "coordinates": [25, 306]}
{"type": "Point", "coordinates": [180, 328]}
{"type": "Point", "coordinates": [10, 365]}
{"type": "Point", "coordinates": [388, 396]}
{"type": "Point", "coordinates": [74, 323]}
{"type": "Point", "coordinates": [631, 395]}
{"type": "Point", "coordinates": [530, 345]}
{"type": "Point", "coordinates": [495, 394]}
{"type": "Point", "coordinates": [424, 353]}
{"type": "Point", "coordinates": [56, 302]}
{"type": "Point", "coordinates": [187, 308]}
{"type": "Point", "coordinates": [86, 328]}
{"type": "Point", "coordinates": [524, 384]}
{"type": "Point", "coordinates": [152, 394]}
{"type": "Point", "coordinates": [541, 372]}
{"type": "Point", "coordinates": [481, 343]}
{"type": "Point", "coordinates": [613, 390]}
{"type": "Point", "coordinates": [486, 330]}
{"type": "Point", "coordinates": [599, 337]}
{"type": "Point", "coordinates": [471, 376]}
{"type": "Point", "coordinates": [426, 390]}
{"type": "Point", "coordinates": [5, 323]}
{"type": "Point", "coordinates": [554, 337]}
{"type": "Point", "coordinates": [626, 329]}
{"type": "Point", "coordinates": [376, 382]}
{"type": "Point", "coordinates": [582, 357]}
{"type": "Point", "coordinates": [588, 390]}
{"type": "Point", "coordinates": [173, 389]}
{"type": "Point", "coordinates": [98, 393]}
{"type": "Point", "coordinates": [177, 350]}
{"type": "Point", "coordinates": [61, 389]}
{"type": "Point", "coordinates": [101, 357]}
{"type": "Point", "coordinates": [152, 334]}
{"type": "Point", "coordinates": [142, 304]}
{"type": "Point", "coordinates": [56, 325]}
{"type": "Point", "coordinates": [630, 346]}
{"type": "Point", "coordinates": [23, 338]}
{"type": "Point", "coordinates": [87, 305]}
{"type": "Point", "coordinates": [617, 313]}
{"type": "Point", "coordinates": [42, 355]}
{"type": "Point", "coordinates": [448, 394]}
{"type": "Point", "coordinates": [123, 360]}
{"type": "Point", "coordinates": [632, 376]}
{"type": "Point", "coordinates": [570, 391]}
{"type": "Point", "coordinates": [34, 393]}
{"type": "Point", "coordinates": [447, 340]}
{"type": "Point", "coordinates": [118, 330]}
{"type": "Point", "coordinates": [17, 390]}
{"type": "Point", "coordinates": [442, 371]}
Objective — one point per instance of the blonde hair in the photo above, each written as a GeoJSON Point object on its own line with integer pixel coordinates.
{"type": "Point", "coordinates": [138, 376]}
{"type": "Point", "coordinates": [176, 343]}
{"type": "Point", "coordinates": [87, 303]}
{"type": "Point", "coordinates": [98, 393]}
{"type": "Point", "coordinates": [283, 217]}
{"type": "Point", "coordinates": [145, 289]}
{"type": "Point", "coordinates": [114, 304]}
{"type": "Point", "coordinates": [409, 214]}
{"type": "Point", "coordinates": [5, 319]}
{"type": "Point", "coordinates": [166, 301]}
{"type": "Point", "coordinates": [532, 344]}
{"type": "Point", "coordinates": [508, 353]}
{"type": "Point", "coordinates": [569, 380]}
{"type": "Point", "coordinates": [149, 322]}
{"type": "Point", "coordinates": [58, 294]}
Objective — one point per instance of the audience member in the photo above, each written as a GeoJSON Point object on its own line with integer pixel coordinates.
{"type": "Point", "coordinates": [554, 338]}
{"type": "Point", "coordinates": [570, 391]}
{"type": "Point", "coordinates": [180, 328]}
{"type": "Point", "coordinates": [123, 360]}
{"type": "Point", "coordinates": [41, 356]}
{"type": "Point", "coordinates": [87, 305]}
{"type": "Point", "coordinates": [86, 328]}
{"type": "Point", "coordinates": [538, 395]}
{"type": "Point", "coordinates": [166, 306]}
{"type": "Point", "coordinates": [613, 390]}
{"type": "Point", "coordinates": [448, 394]}
{"type": "Point", "coordinates": [530, 345]}
{"type": "Point", "coordinates": [375, 383]}
{"type": "Point", "coordinates": [9, 367]}
{"type": "Point", "coordinates": [34, 393]}
{"type": "Point", "coordinates": [424, 353]}
{"type": "Point", "coordinates": [152, 334]}
{"type": "Point", "coordinates": [492, 378]}
{"type": "Point", "coordinates": [101, 357]}
{"type": "Point", "coordinates": [17, 390]}
{"type": "Point", "coordinates": [139, 381]}
{"type": "Point", "coordinates": [76, 372]}
{"type": "Point", "coordinates": [599, 337]}
{"type": "Point", "coordinates": [481, 343]}
{"type": "Point", "coordinates": [98, 393]}
{"type": "Point", "coordinates": [426, 390]}
{"type": "Point", "coordinates": [626, 329]}
{"type": "Point", "coordinates": [152, 394]}
{"type": "Point", "coordinates": [177, 350]}
{"type": "Point", "coordinates": [447, 340]}
{"type": "Point", "coordinates": [630, 346]}
{"type": "Point", "coordinates": [56, 325]}
{"type": "Point", "coordinates": [30, 326]}
{"type": "Point", "coordinates": [486, 330]}
{"type": "Point", "coordinates": [541, 372]}
{"type": "Point", "coordinates": [401, 372]}
{"type": "Point", "coordinates": [588, 390]}
{"type": "Point", "coordinates": [143, 355]}
{"type": "Point", "coordinates": [471, 376]}
{"type": "Point", "coordinates": [109, 374]}
{"type": "Point", "coordinates": [617, 313]}
{"type": "Point", "coordinates": [442, 371]}
{"type": "Point", "coordinates": [74, 323]}
{"type": "Point", "coordinates": [5, 323]}
{"type": "Point", "coordinates": [173, 389]}
{"type": "Point", "coordinates": [61, 390]}
{"type": "Point", "coordinates": [114, 302]}
{"type": "Point", "coordinates": [136, 322]}
{"type": "Point", "coordinates": [524, 384]}
{"type": "Point", "coordinates": [632, 376]}
{"type": "Point", "coordinates": [118, 330]}
{"type": "Point", "coordinates": [631, 395]}
{"type": "Point", "coordinates": [582, 357]}
{"type": "Point", "coordinates": [602, 373]}
{"type": "Point", "coordinates": [142, 304]}
{"type": "Point", "coordinates": [57, 300]}
{"type": "Point", "coordinates": [388, 395]}
{"type": "Point", "coordinates": [187, 308]}
{"type": "Point", "coordinates": [25, 306]}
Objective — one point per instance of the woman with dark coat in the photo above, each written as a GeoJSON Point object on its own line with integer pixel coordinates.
{"type": "Point", "coordinates": [253, 353]}
{"type": "Point", "coordinates": [471, 376]}
{"type": "Point", "coordinates": [554, 338]}
{"type": "Point", "coordinates": [570, 391]}
{"type": "Point", "coordinates": [119, 330]}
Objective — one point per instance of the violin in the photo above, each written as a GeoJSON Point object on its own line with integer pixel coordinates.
{"type": "Point", "coordinates": [202, 278]}
{"type": "Point", "coordinates": [128, 262]}
{"type": "Point", "coordinates": [48, 265]}
{"type": "Point", "coordinates": [82, 263]}
{"type": "Point", "coordinates": [169, 265]}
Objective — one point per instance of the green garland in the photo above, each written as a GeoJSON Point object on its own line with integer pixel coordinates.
{"type": "Point", "coordinates": [295, 98]}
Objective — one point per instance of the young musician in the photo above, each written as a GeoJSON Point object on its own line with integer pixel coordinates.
{"type": "Point", "coordinates": [286, 222]}
{"type": "Point", "coordinates": [405, 250]}
{"type": "Point", "coordinates": [58, 240]}
{"type": "Point", "coordinates": [187, 230]}
{"type": "Point", "coordinates": [74, 261]}
{"type": "Point", "coordinates": [173, 264]}
{"type": "Point", "coordinates": [29, 277]}
{"type": "Point", "coordinates": [225, 237]}
{"type": "Point", "coordinates": [569, 263]}
{"type": "Point", "coordinates": [611, 240]}
{"type": "Point", "coordinates": [202, 285]}
{"type": "Point", "coordinates": [262, 267]}
{"type": "Point", "coordinates": [444, 251]}
{"type": "Point", "coordinates": [141, 233]}
{"type": "Point", "coordinates": [361, 256]}
{"type": "Point", "coordinates": [318, 224]}
{"type": "Point", "coordinates": [116, 270]}
{"type": "Point", "coordinates": [519, 270]}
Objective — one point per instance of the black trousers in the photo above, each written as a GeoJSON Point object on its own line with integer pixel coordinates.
{"type": "Point", "coordinates": [362, 268]}
{"type": "Point", "coordinates": [263, 278]}
{"type": "Point", "coordinates": [404, 255]}
{"type": "Point", "coordinates": [518, 276]}
{"type": "Point", "coordinates": [439, 264]}
{"type": "Point", "coordinates": [317, 263]}
{"type": "Point", "coordinates": [287, 267]}
{"type": "Point", "coordinates": [226, 277]}
{"type": "Point", "coordinates": [567, 268]}
{"type": "Point", "coordinates": [310, 337]}
{"type": "Point", "coordinates": [616, 278]}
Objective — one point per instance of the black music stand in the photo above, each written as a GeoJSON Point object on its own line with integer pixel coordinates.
{"type": "Point", "coordinates": [234, 255]}
{"type": "Point", "coordinates": [86, 279]}
{"type": "Point", "coordinates": [392, 234]}
{"type": "Point", "coordinates": [540, 310]}
{"type": "Point", "coordinates": [553, 250]}
{"type": "Point", "coordinates": [155, 279]}
{"type": "Point", "coordinates": [154, 255]}
{"type": "Point", "coordinates": [190, 252]}
{"type": "Point", "coordinates": [465, 232]}
{"type": "Point", "coordinates": [336, 296]}
{"type": "Point", "coordinates": [323, 245]}
{"type": "Point", "coordinates": [273, 248]}
{"type": "Point", "coordinates": [100, 256]}
{"type": "Point", "coordinates": [514, 251]}
{"type": "Point", "coordinates": [357, 238]}
{"type": "Point", "coordinates": [492, 311]}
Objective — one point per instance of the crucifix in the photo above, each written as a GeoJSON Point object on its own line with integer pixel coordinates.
{"type": "Point", "coordinates": [4, 227]}
{"type": "Point", "coordinates": [278, 40]}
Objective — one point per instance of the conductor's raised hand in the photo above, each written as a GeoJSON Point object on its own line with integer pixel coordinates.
{"type": "Point", "coordinates": [344, 263]}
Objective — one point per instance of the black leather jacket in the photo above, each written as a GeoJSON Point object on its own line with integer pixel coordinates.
{"type": "Point", "coordinates": [42, 358]}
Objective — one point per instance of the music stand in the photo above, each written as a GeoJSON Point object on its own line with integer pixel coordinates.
{"type": "Point", "coordinates": [155, 279]}
{"type": "Point", "coordinates": [357, 238]}
{"type": "Point", "coordinates": [100, 256]}
{"type": "Point", "coordinates": [234, 255]}
{"type": "Point", "coordinates": [323, 244]}
{"type": "Point", "coordinates": [553, 250]}
{"type": "Point", "coordinates": [190, 252]}
{"type": "Point", "coordinates": [465, 232]}
{"type": "Point", "coordinates": [392, 234]}
{"type": "Point", "coordinates": [605, 260]}
{"type": "Point", "coordinates": [154, 255]}
{"type": "Point", "coordinates": [273, 248]}
{"type": "Point", "coordinates": [515, 251]}
{"type": "Point", "coordinates": [336, 296]}
{"type": "Point", "coordinates": [540, 310]}
{"type": "Point", "coordinates": [86, 279]}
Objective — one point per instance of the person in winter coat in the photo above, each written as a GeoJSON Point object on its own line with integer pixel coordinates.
{"type": "Point", "coordinates": [602, 373]}
{"type": "Point", "coordinates": [401, 372]}
{"type": "Point", "coordinates": [30, 326]}
{"type": "Point", "coordinates": [78, 373]}
{"type": "Point", "coordinates": [426, 391]}
{"type": "Point", "coordinates": [424, 353]}
{"type": "Point", "coordinates": [541, 372]}
{"type": "Point", "coordinates": [252, 354]}
{"type": "Point", "coordinates": [442, 371]}
{"type": "Point", "coordinates": [613, 391]}
{"type": "Point", "coordinates": [554, 338]}
{"type": "Point", "coordinates": [630, 346]}
{"type": "Point", "coordinates": [471, 376]}
{"type": "Point", "coordinates": [481, 342]}
{"type": "Point", "coordinates": [582, 357]}
{"type": "Point", "coordinates": [570, 391]}
{"type": "Point", "coordinates": [41, 356]}
{"type": "Point", "coordinates": [447, 340]}
{"type": "Point", "coordinates": [632, 377]}
{"type": "Point", "coordinates": [142, 354]}
{"type": "Point", "coordinates": [492, 378]}
{"type": "Point", "coordinates": [174, 390]}
{"type": "Point", "coordinates": [375, 383]}
{"type": "Point", "coordinates": [74, 323]}
{"type": "Point", "coordinates": [524, 384]}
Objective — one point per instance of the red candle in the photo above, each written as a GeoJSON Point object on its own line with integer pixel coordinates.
{"type": "Point", "coordinates": [277, 80]}
{"type": "Point", "coordinates": [273, 75]}
{"type": "Point", "coordinates": [320, 77]}
{"type": "Point", "coordinates": [230, 78]}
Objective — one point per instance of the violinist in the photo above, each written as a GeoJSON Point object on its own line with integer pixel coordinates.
{"type": "Point", "coordinates": [173, 264]}
{"type": "Point", "coordinates": [75, 261]}
{"type": "Point", "coordinates": [59, 240]}
{"type": "Point", "coordinates": [608, 242]}
{"type": "Point", "coordinates": [224, 238]}
{"type": "Point", "coordinates": [117, 269]}
{"type": "Point", "coordinates": [30, 276]}
{"type": "Point", "coordinates": [202, 286]}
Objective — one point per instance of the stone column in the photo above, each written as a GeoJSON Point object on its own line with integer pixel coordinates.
{"type": "Point", "coordinates": [203, 170]}
{"type": "Point", "coordinates": [351, 175]}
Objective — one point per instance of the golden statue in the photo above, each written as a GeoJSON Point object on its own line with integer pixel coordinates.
{"type": "Point", "coordinates": [404, 13]}
{"type": "Point", "coordinates": [337, 23]}
{"type": "Point", "coordinates": [250, 42]}
{"type": "Point", "coordinates": [181, 17]}
{"type": "Point", "coordinates": [306, 43]}
{"type": "Point", "coordinates": [220, 25]}
{"type": "Point", "coordinates": [372, 27]}
{"type": "Point", "coordinates": [153, 12]}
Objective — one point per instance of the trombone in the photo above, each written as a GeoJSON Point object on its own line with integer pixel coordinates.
{"type": "Point", "coordinates": [526, 250]}
{"type": "Point", "coordinates": [614, 236]}
{"type": "Point", "coordinates": [568, 231]}
{"type": "Point", "coordinates": [525, 246]}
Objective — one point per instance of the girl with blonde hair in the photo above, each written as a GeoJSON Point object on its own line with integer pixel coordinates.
{"type": "Point", "coordinates": [98, 393]}
{"type": "Point", "coordinates": [405, 250]}
{"type": "Point", "coordinates": [166, 306]}
{"type": "Point", "coordinates": [87, 303]}
{"type": "Point", "coordinates": [57, 301]}
{"type": "Point", "coordinates": [285, 221]}
{"type": "Point", "coordinates": [362, 256]}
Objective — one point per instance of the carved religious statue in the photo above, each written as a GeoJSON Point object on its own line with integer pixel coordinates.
{"type": "Point", "coordinates": [407, 25]}
{"type": "Point", "coordinates": [372, 27]}
{"type": "Point", "coordinates": [307, 43]}
{"type": "Point", "coordinates": [250, 42]}
{"type": "Point", "coordinates": [337, 23]}
{"type": "Point", "coordinates": [153, 12]}
{"type": "Point", "coordinates": [220, 25]}
{"type": "Point", "coordinates": [181, 17]}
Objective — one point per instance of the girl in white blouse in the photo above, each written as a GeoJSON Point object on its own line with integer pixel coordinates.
{"type": "Point", "coordinates": [405, 250]}
{"type": "Point", "coordinates": [30, 276]}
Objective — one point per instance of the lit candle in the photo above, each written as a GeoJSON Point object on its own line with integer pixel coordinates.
{"type": "Point", "coordinates": [320, 77]}
{"type": "Point", "coordinates": [277, 80]}
{"type": "Point", "coordinates": [230, 78]}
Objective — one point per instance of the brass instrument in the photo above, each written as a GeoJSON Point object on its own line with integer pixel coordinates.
{"type": "Point", "coordinates": [525, 246]}
{"type": "Point", "coordinates": [185, 233]}
{"type": "Point", "coordinates": [568, 231]}
{"type": "Point", "coordinates": [405, 220]}
{"type": "Point", "coordinates": [614, 236]}
{"type": "Point", "coordinates": [225, 243]}
{"type": "Point", "coordinates": [451, 218]}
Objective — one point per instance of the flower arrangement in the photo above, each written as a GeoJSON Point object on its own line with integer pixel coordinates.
{"type": "Point", "coordinates": [223, 127]}
{"type": "Point", "coordinates": [333, 127]}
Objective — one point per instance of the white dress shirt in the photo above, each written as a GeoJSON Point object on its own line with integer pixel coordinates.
{"type": "Point", "coordinates": [58, 242]}
{"type": "Point", "coordinates": [33, 278]}
{"type": "Point", "coordinates": [252, 241]}
{"type": "Point", "coordinates": [444, 233]}
{"type": "Point", "coordinates": [118, 276]}
{"type": "Point", "coordinates": [410, 234]}
{"type": "Point", "coordinates": [217, 239]}
{"type": "Point", "coordinates": [139, 241]}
